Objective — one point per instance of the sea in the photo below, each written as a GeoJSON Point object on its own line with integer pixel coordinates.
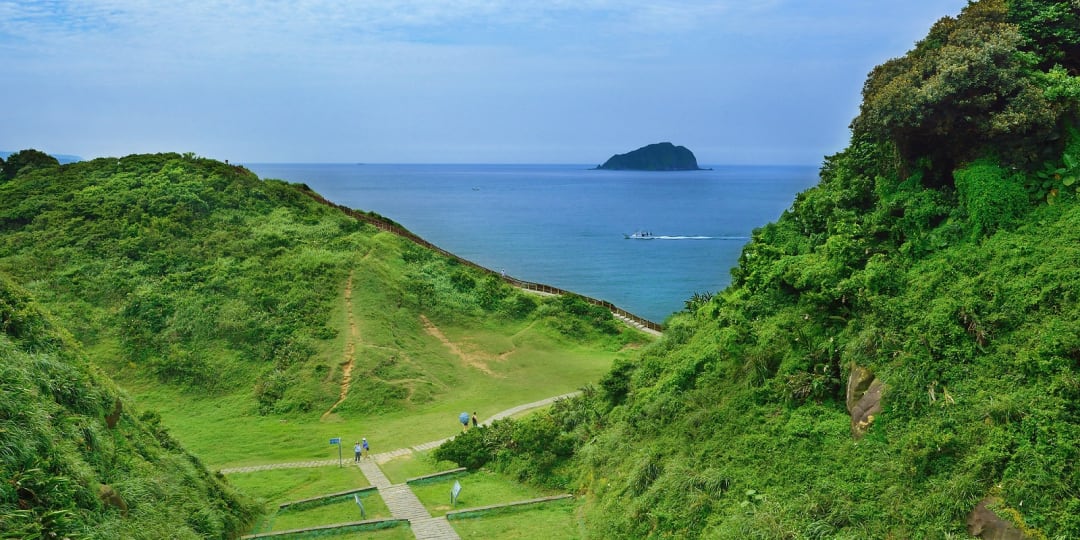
{"type": "Point", "coordinates": [567, 225]}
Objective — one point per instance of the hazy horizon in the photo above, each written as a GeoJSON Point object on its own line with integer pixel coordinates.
{"type": "Point", "coordinates": [421, 81]}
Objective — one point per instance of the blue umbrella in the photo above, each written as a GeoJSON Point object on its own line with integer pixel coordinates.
{"type": "Point", "coordinates": [464, 418]}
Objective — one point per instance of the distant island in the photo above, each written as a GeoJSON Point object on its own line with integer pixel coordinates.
{"type": "Point", "coordinates": [654, 157]}
{"type": "Point", "coordinates": [61, 158]}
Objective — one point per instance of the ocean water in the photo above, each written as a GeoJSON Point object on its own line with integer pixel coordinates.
{"type": "Point", "coordinates": [565, 225]}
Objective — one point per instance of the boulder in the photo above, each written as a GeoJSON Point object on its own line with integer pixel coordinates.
{"type": "Point", "coordinates": [864, 392]}
{"type": "Point", "coordinates": [985, 524]}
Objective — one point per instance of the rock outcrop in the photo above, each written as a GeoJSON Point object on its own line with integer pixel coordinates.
{"type": "Point", "coordinates": [863, 399]}
{"type": "Point", "coordinates": [986, 524]}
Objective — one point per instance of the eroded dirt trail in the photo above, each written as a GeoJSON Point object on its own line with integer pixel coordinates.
{"type": "Point", "coordinates": [350, 349]}
{"type": "Point", "coordinates": [466, 358]}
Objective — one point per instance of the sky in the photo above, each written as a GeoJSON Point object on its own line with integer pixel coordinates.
{"type": "Point", "coordinates": [434, 81]}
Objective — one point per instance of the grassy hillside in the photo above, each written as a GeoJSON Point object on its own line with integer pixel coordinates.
{"type": "Point", "coordinates": [935, 266]}
{"type": "Point", "coordinates": [259, 322]}
{"type": "Point", "coordinates": [192, 273]}
{"type": "Point", "coordinates": [77, 459]}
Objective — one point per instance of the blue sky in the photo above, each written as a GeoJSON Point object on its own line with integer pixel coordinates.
{"type": "Point", "coordinates": [425, 81]}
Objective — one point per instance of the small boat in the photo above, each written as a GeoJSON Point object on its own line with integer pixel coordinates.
{"type": "Point", "coordinates": [640, 235]}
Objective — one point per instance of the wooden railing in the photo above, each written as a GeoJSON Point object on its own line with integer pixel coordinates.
{"type": "Point", "coordinates": [386, 225]}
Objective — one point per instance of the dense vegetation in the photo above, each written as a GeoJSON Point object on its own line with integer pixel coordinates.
{"type": "Point", "coordinates": [76, 459]}
{"type": "Point", "coordinates": [939, 255]}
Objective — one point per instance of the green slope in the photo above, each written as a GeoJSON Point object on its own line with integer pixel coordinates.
{"type": "Point", "coordinates": [77, 459]}
{"type": "Point", "coordinates": [235, 307]}
{"type": "Point", "coordinates": [938, 255]}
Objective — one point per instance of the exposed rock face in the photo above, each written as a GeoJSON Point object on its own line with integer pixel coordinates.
{"type": "Point", "coordinates": [110, 497]}
{"type": "Point", "coordinates": [985, 524]}
{"type": "Point", "coordinates": [654, 157]}
{"type": "Point", "coordinates": [863, 399]}
{"type": "Point", "coordinates": [114, 416]}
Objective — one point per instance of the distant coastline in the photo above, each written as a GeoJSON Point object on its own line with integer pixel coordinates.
{"type": "Point", "coordinates": [62, 158]}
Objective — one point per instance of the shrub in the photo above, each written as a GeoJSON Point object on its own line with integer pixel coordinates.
{"type": "Point", "coordinates": [992, 197]}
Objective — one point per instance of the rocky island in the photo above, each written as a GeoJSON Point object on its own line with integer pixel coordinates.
{"type": "Point", "coordinates": [654, 157]}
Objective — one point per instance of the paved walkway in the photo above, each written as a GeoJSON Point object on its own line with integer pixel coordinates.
{"type": "Point", "coordinates": [634, 324]}
{"type": "Point", "coordinates": [403, 504]}
{"type": "Point", "coordinates": [383, 457]}
{"type": "Point", "coordinates": [399, 499]}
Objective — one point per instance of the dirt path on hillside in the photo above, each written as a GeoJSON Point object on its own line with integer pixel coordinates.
{"type": "Point", "coordinates": [470, 360]}
{"type": "Point", "coordinates": [350, 349]}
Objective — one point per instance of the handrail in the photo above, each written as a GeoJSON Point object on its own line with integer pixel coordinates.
{"type": "Point", "coordinates": [385, 225]}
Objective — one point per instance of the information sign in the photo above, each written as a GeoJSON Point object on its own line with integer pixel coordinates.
{"type": "Point", "coordinates": [454, 491]}
{"type": "Point", "coordinates": [363, 515]}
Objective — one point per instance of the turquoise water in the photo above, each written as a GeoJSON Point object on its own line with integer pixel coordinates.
{"type": "Point", "coordinates": [564, 225]}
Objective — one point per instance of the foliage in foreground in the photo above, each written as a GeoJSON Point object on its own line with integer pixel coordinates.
{"type": "Point", "coordinates": [76, 460]}
{"type": "Point", "coordinates": [938, 252]}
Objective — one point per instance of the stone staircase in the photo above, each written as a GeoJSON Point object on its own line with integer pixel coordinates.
{"type": "Point", "coordinates": [403, 504]}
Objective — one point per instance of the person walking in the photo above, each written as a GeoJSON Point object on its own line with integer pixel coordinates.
{"type": "Point", "coordinates": [366, 448]}
{"type": "Point", "coordinates": [356, 451]}
{"type": "Point", "coordinates": [475, 422]}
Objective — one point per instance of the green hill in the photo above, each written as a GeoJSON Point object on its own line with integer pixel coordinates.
{"type": "Point", "coordinates": [77, 459]}
{"type": "Point", "coordinates": [897, 354]}
{"type": "Point", "coordinates": [255, 319]}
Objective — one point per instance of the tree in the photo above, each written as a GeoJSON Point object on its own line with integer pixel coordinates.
{"type": "Point", "coordinates": [25, 160]}
{"type": "Point", "coordinates": [1051, 29]}
{"type": "Point", "coordinates": [965, 90]}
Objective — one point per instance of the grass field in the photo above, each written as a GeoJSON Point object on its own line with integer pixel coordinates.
{"type": "Point", "coordinates": [279, 486]}
{"type": "Point", "coordinates": [226, 431]}
{"type": "Point", "coordinates": [547, 521]}
{"type": "Point", "coordinates": [435, 367]}
{"type": "Point", "coordinates": [413, 465]}
{"type": "Point", "coordinates": [480, 488]}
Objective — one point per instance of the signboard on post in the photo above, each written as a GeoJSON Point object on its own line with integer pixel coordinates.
{"type": "Point", "coordinates": [454, 491]}
{"type": "Point", "coordinates": [363, 515]}
{"type": "Point", "coordinates": [337, 441]}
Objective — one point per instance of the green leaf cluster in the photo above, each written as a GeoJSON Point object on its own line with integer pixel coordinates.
{"type": "Point", "coordinates": [974, 83]}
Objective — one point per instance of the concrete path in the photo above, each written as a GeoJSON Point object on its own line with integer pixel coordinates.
{"type": "Point", "coordinates": [399, 499]}
{"type": "Point", "coordinates": [403, 504]}
{"type": "Point", "coordinates": [383, 457]}
{"type": "Point", "coordinates": [634, 324]}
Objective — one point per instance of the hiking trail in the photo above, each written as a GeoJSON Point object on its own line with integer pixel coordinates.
{"type": "Point", "coordinates": [350, 349]}
{"type": "Point", "coordinates": [470, 360]}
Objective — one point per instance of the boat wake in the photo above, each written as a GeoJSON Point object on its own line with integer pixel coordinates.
{"type": "Point", "coordinates": [646, 236]}
{"type": "Point", "coordinates": [672, 237]}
